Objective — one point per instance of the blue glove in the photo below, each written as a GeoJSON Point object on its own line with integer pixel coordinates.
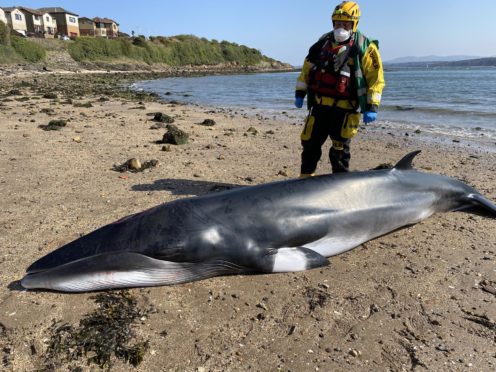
{"type": "Point", "coordinates": [298, 102]}
{"type": "Point", "coordinates": [369, 116]}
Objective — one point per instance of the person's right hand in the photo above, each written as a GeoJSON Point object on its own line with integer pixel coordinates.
{"type": "Point", "coordinates": [298, 102]}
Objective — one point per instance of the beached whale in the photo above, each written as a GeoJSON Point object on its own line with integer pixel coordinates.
{"type": "Point", "coordinates": [282, 226]}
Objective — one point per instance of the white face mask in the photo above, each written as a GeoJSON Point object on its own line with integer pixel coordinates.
{"type": "Point", "coordinates": [341, 35]}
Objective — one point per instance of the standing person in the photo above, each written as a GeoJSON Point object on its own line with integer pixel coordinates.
{"type": "Point", "coordinates": [342, 77]}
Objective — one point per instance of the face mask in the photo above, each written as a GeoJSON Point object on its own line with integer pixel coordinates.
{"type": "Point", "coordinates": [341, 35]}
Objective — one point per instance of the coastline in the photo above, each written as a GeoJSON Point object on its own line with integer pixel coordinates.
{"type": "Point", "coordinates": [413, 297]}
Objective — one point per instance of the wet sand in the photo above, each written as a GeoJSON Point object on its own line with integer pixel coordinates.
{"type": "Point", "coordinates": [420, 298]}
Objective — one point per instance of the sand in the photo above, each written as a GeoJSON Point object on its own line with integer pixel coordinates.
{"type": "Point", "coordinates": [420, 298]}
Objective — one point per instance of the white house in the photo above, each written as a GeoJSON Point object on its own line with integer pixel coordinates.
{"type": "Point", "coordinates": [49, 25]}
{"type": "Point", "coordinates": [3, 18]}
{"type": "Point", "coordinates": [16, 20]}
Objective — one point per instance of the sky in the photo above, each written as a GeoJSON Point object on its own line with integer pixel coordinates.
{"type": "Point", "coordinates": [285, 29]}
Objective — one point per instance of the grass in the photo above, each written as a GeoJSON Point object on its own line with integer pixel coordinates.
{"type": "Point", "coordinates": [177, 50]}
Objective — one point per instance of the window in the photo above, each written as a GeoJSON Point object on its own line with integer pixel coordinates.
{"type": "Point", "coordinates": [36, 18]}
{"type": "Point", "coordinates": [18, 17]}
{"type": "Point", "coordinates": [47, 18]}
{"type": "Point", "coordinates": [72, 20]}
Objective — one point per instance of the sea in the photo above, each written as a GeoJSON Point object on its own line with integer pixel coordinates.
{"type": "Point", "coordinates": [455, 102]}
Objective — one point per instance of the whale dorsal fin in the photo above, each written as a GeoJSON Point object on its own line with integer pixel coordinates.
{"type": "Point", "coordinates": [406, 162]}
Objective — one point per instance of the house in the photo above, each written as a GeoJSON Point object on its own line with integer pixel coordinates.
{"type": "Point", "coordinates": [86, 26]}
{"type": "Point", "coordinates": [106, 27]}
{"type": "Point", "coordinates": [67, 22]}
{"type": "Point", "coordinates": [16, 20]}
{"type": "Point", "coordinates": [34, 21]}
{"type": "Point", "coordinates": [3, 18]}
{"type": "Point", "coordinates": [49, 25]}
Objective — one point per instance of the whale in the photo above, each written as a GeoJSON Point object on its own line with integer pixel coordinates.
{"type": "Point", "coordinates": [283, 226]}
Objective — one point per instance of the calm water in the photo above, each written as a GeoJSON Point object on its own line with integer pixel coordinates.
{"type": "Point", "coordinates": [459, 102]}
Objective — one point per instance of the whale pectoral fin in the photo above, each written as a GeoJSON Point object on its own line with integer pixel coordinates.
{"type": "Point", "coordinates": [480, 201]}
{"type": "Point", "coordinates": [123, 270]}
{"type": "Point", "coordinates": [291, 259]}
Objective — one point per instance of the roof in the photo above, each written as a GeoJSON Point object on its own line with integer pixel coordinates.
{"type": "Point", "coordinates": [29, 10]}
{"type": "Point", "coordinates": [104, 20]}
{"type": "Point", "coordinates": [56, 10]}
{"type": "Point", "coordinates": [10, 9]}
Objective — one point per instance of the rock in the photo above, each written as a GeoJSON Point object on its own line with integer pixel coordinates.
{"type": "Point", "coordinates": [14, 92]}
{"type": "Point", "coordinates": [54, 125]}
{"type": "Point", "coordinates": [252, 130]}
{"type": "Point", "coordinates": [163, 118]}
{"type": "Point", "coordinates": [158, 126]}
{"type": "Point", "coordinates": [134, 164]}
{"type": "Point", "coordinates": [175, 136]}
{"type": "Point", "coordinates": [85, 104]}
{"type": "Point", "coordinates": [208, 122]}
{"type": "Point", "coordinates": [50, 96]}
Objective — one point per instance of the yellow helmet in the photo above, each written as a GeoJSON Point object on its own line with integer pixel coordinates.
{"type": "Point", "coordinates": [347, 11]}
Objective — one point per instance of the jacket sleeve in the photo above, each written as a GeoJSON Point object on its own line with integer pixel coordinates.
{"type": "Point", "coordinates": [302, 80]}
{"type": "Point", "coordinates": [374, 76]}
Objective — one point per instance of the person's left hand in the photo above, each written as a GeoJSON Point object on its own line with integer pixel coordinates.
{"type": "Point", "coordinates": [369, 116]}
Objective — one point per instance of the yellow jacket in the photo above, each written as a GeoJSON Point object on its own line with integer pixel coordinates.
{"type": "Point", "coordinates": [367, 67]}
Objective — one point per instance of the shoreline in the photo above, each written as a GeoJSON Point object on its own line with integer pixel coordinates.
{"type": "Point", "coordinates": [418, 296]}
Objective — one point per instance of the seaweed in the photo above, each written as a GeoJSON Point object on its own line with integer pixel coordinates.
{"type": "Point", "coordinates": [100, 335]}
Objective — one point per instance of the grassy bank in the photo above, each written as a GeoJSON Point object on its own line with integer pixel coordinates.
{"type": "Point", "coordinates": [173, 51]}
{"type": "Point", "coordinates": [181, 50]}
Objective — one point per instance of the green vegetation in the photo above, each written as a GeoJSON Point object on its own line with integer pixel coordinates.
{"type": "Point", "coordinates": [175, 51]}
{"type": "Point", "coordinates": [4, 34]}
{"type": "Point", "coordinates": [27, 49]}
{"type": "Point", "coordinates": [15, 49]}
{"type": "Point", "coordinates": [180, 50]}
{"type": "Point", "coordinates": [101, 336]}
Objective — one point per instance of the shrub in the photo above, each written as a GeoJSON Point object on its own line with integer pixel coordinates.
{"type": "Point", "coordinates": [174, 51]}
{"type": "Point", "coordinates": [28, 50]}
{"type": "Point", "coordinates": [4, 34]}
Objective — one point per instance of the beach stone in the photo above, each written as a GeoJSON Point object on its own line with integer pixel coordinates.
{"type": "Point", "coordinates": [134, 164]}
{"type": "Point", "coordinates": [14, 92]}
{"type": "Point", "coordinates": [159, 126]}
{"type": "Point", "coordinates": [175, 136]}
{"type": "Point", "coordinates": [54, 125]}
{"type": "Point", "coordinates": [208, 122]}
{"type": "Point", "coordinates": [163, 118]}
{"type": "Point", "coordinates": [50, 96]}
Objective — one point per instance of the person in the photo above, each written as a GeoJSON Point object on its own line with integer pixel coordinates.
{"type": "Point", "coordinates": [342, 78]}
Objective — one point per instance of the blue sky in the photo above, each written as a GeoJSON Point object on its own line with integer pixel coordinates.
{"type": "Point", "coordinates": [285, 29]}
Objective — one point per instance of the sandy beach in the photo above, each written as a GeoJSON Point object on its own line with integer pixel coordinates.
{"type": "Point", "coordinates": [421, 298]}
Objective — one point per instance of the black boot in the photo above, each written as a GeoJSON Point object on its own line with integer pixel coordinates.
{"type": "Point", "coordinates": [340, 160]}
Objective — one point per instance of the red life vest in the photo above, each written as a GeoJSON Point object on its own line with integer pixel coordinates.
{"type": "Point", "coordinates": [330, 75]}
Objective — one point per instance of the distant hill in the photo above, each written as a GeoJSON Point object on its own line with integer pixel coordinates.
{"type": "Point", "coordinates": [475, 62]}
{"type": "Point", "coordinates": [431, 58]}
